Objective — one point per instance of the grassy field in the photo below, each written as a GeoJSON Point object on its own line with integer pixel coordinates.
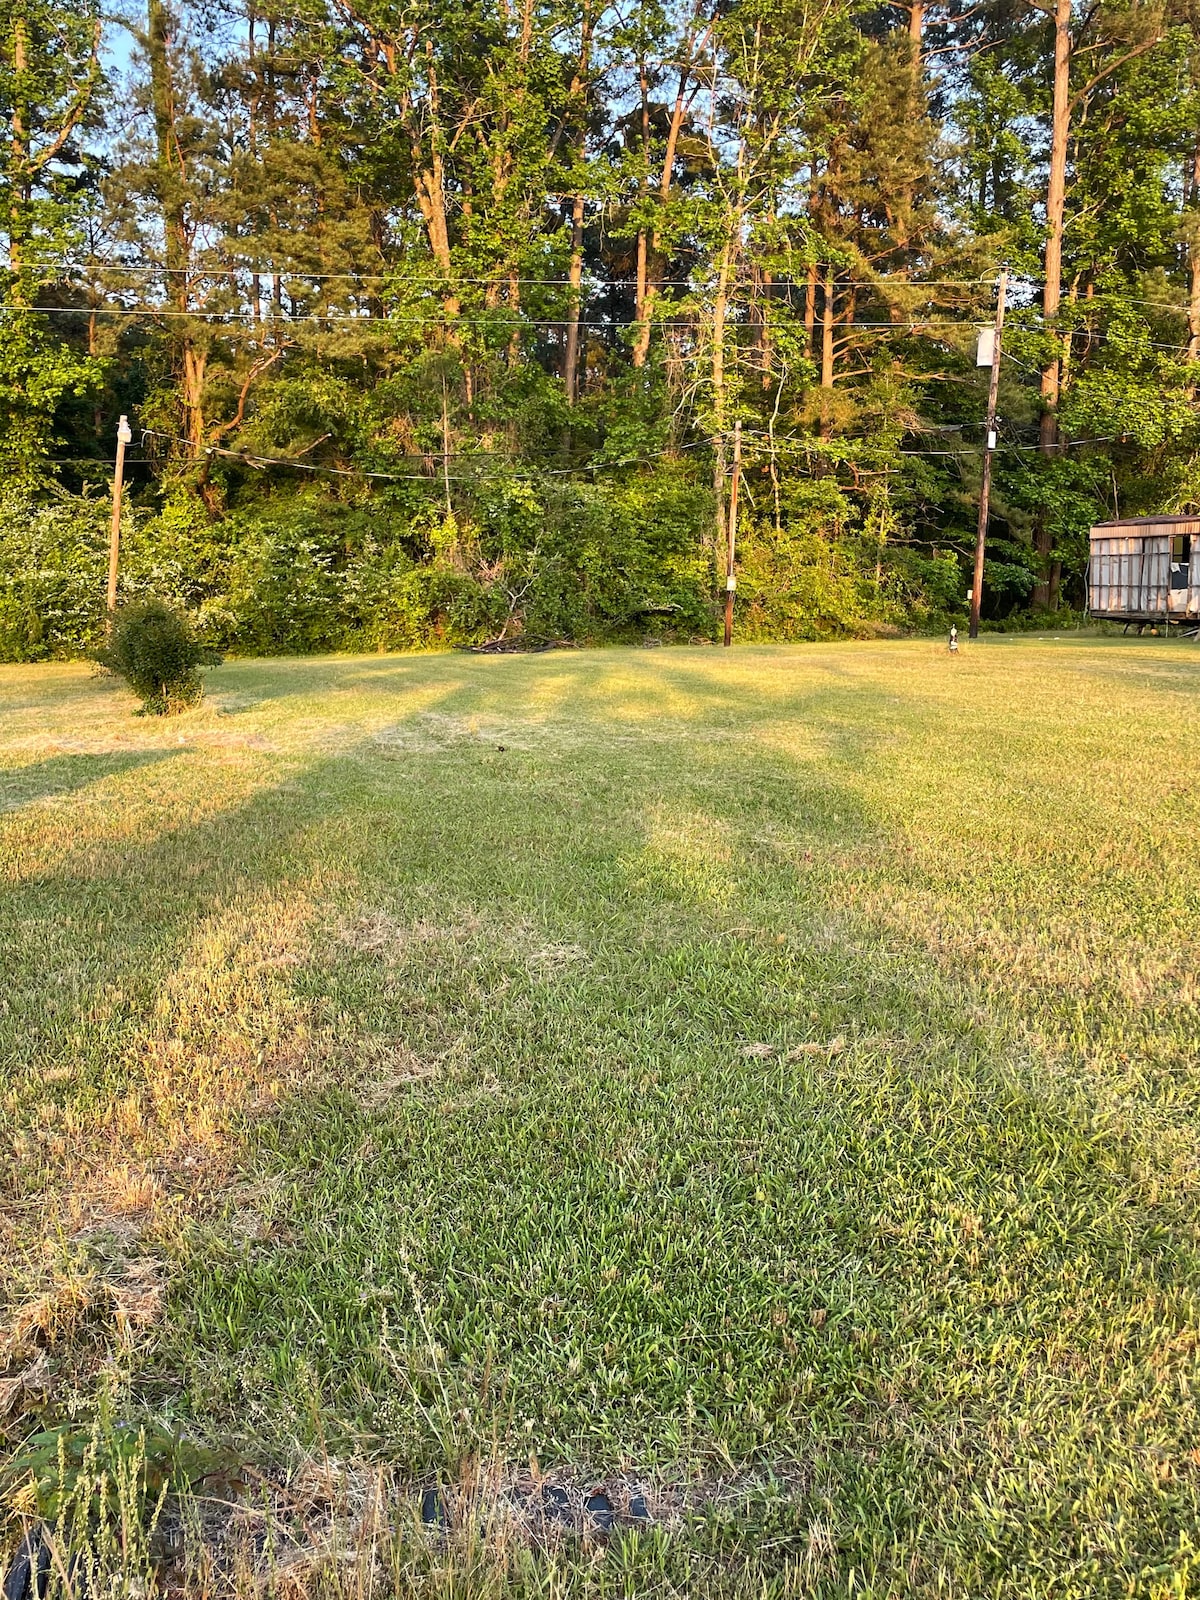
{"type": "Point", "coordinates": [768, 1079]}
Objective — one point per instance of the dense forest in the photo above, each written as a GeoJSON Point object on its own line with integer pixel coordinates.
{"type": "Point", "coordinates": [435, 322]}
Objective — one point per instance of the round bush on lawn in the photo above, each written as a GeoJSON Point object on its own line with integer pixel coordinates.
{"type": "Point", "coordinates": [152, 647]}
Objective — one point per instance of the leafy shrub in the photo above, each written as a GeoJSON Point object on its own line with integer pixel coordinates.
{"type": "Point", "coordinates": [153, 648]}
{"type": "Point", "coordinates": [283, 587]}
{"type": "Point", "coordinates": [53, 564]}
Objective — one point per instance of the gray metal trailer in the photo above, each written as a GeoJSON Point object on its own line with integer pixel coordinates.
{"type": "Point", "coordinates": [1146, 570]}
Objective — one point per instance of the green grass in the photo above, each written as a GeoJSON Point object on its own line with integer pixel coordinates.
{"type": "Point", "coordinates": [771, 1076]}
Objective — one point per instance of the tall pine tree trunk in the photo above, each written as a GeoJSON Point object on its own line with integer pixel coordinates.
{"type": "Point", "coordinates": [1056, 191]}
{"type": "Point", "coordinates": [194, 364]}
{"type": "Point", "coordinates": [273, 211]}
{"type": "Point", "coordinates": [574, 280]}
{"type": "Point", "coordinates": [252, 142]}
{"type": "Point", "coordinates": [1045, 589]}
{"type": "Point", "coordinates": [641, 338]}
{"type": "Point", "coordinates": [720, 409]}
{"type": "Point", "coordinates": [514, 307]}
{"type": "Point", "coordinates": [1193, 347]}
{"type": "Point", "coordinates": [429, 168]}
{"type": "Point", "coordinates": [653, 255]}
{"type": "Point", "coordinates": [579, 89]}
{"type": "Point", "coordinates": [18, 212]}
{"type": "Point", "coordinates": [828, 320]}
{"type": "Point", "coordinates": [170, 165]}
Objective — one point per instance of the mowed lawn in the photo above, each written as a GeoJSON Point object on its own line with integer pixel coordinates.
{"type": "Point", "coordinates": [769, 1077]}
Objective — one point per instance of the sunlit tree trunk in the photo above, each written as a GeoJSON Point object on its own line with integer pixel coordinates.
{"type": "Point", "coordinates": [653, 261]}
{"type": "Point", "coordinates": [828, 322]}
{"type": "Point", "coordinates": [1056, 190]}
{"type": "Point", "coordinates": [641, 338]}
{"type": "Point", "coordinates": [1193, 346]}
{"type": "Point", "coordinates": [171, 175]}
{"type": "Point", "coordinates": [720, 404]}
{"type": "Point", "coordinates": [272, 132]}
{"type": "Point", "coordinates": [578, 101]}
{"type": "Point", "coordinates": [574, 281]}
{"type": "Point", "coordinates": [811, 280]}
{"type": "Point", "coordinates": [19, 199]}
{"type": "Point", "coordinates": [252, 143]}
{"type": "Point", "coordinates": [1045, 589]}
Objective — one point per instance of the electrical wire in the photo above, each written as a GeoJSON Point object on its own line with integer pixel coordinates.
{"type": "Point", "coordinates": [339, 319]}
{"type": "Point", "coordinates": [806, 447]}
{"type": "Point", "coordinates": [331, 320]}
{"type": "Point", "coordinates": [275, 270]}
{"type": "Point", "coordinates": [252, 459]}
{"type": "Point", "coordinates": [786, 444]}
{"type": "Point", "coordinates": [294, 271]}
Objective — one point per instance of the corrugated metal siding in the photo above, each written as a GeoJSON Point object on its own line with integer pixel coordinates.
{"type": "Point", "coordinates": [1130, 568]}
{"type": "Point", "coordinates": [1129, 575]}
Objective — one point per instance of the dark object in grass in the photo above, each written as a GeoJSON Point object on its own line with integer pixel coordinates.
{"type": "Point", "coordinates": [153, 648]}
{"type": "Point", "coordinates": [639, 1511]}
{"type": "Point", "coordinates": [556, 1504]}
{"type": "Point", "coordinates": [433, 1510]}
{"type": "Point", "coordinates": [28, 1575]}
{"type": "Point", "coordinates": [600, 1509]}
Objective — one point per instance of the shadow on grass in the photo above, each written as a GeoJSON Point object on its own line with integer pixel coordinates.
{"type": "Point", "coordinates": [736, 1185]}
{"type": "Point", "coordinates": [62, 775]}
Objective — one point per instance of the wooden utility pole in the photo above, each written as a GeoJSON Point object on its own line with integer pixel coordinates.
{"type": "Point", "coordinates": [114, 543]}
{"type": "Point", "coordinates": [989, 445]}
{"type": "Point", "coordinates": [730, 580]}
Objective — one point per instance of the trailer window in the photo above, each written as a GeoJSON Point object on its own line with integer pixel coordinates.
{"type": "Point", "coordinates": [1181, 557]}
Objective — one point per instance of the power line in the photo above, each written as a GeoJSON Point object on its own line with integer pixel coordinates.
{"type": "Point", "coordinates": [273, 270]}
{"type": "Point", "coordinates": [806, 447]}
{"type": "Point", "coordinates": [790, 443]}
{"type": "Point", "coordinates": [438, 284]}
{"type": "Point", "coordinates": [340, 319]}
{"type": "Point", "coordinates": [810, 448]}
{"type": "Point", "coordinates": [502, 321]}
{"type": "Point", "coordinates": [1098, 337]}
{"type": "Point", "coordinates": [251, 459]}
{"type": "Point", "coordinates": [1099, 299]}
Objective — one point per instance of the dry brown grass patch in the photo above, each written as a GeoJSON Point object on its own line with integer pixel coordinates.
{"type": "Point", "coordinates": [374, 932]}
